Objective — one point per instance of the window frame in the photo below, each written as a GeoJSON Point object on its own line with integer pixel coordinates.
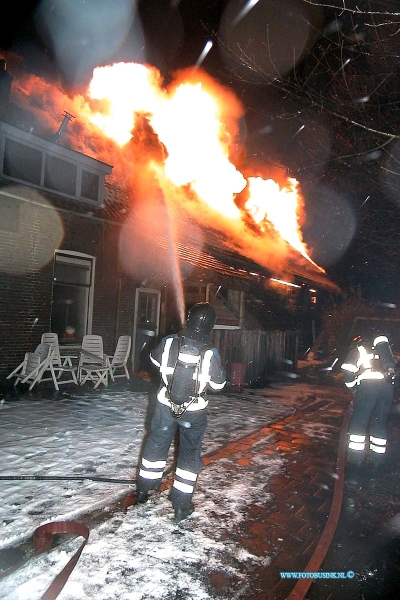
{"type": "Point", "coordinates": [71, 255]}
{"type": "Point", "coordinates": [48, 150]}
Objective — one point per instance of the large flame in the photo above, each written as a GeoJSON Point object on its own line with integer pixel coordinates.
{"type": "Point", "coordinates": [194, 123]}
{"type": "Point", "coordinates": [186, 136]}
{"type": "Point", "coordinates": [188, 122]}
{"type": "Point", "coordinates": [268, 202]}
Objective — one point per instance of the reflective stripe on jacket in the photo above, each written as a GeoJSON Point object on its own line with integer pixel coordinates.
{"type": "Point", "coordinates": [364, 364]}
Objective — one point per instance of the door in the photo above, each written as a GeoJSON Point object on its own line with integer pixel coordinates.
{"type": "Point", "coordinates": [145, 326]}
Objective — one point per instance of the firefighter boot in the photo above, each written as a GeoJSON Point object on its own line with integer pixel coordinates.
{"type": "Point", "coordinates": [183, 513]}
{"type": "Point", "coordinates": [354, 474]}
{"type": "Point", "coordinates": [142, 497]}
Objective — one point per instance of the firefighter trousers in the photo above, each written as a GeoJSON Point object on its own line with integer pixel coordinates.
{"type": "Point", "coordinates": [192, 427]}
{"type": "Point", "coordinates": [367, 428]}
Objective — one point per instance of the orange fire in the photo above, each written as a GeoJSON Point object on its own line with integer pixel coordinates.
{"type": "Point", "coordinates": [196, 121]}
{"type": "Point", "coordinates": [186, 135]}
{"type": "Point", "coordinates": [270, 203]}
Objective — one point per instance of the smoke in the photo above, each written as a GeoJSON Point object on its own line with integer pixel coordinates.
{"type": "Point", "coordinates": [86, 34]}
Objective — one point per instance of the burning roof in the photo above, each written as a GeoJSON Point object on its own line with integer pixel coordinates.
{"type": "Point", "coordinates": [179, 146]}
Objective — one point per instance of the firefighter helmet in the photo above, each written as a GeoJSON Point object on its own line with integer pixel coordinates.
{"type": "Point", "coordinates": [201, 318]}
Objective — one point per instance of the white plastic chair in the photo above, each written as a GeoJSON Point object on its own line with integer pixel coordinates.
{"type": "Point", "coordinates": [121, 356]}
{"type": "Point", "coordinates": [33, 366]}
{"type": "Point", "coordinates": [60, 364]}
{"type": "Point", "coordinates": [94, 365]}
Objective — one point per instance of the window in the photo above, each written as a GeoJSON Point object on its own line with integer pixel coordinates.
{"type": "Point", "coordinates": [71, 312]}
{"type": "Point", "coordinates": [46, 165]}
{"type": "Point", "coordinates": [22, 162]}
{"type": "Point", "coordinates": [90, 185]}
{"type": "Point", "coordinates": [147, 309]}
{"type": "Point", "coordinates": [60, 175]}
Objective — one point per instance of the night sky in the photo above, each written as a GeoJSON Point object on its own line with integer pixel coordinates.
{"type": "Point", "coordinates": [298, 117]}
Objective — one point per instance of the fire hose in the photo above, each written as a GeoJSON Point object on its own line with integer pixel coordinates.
{"type": "Point", "coordinates": [43, 535]}
{"type": "Point", "coordinates": [64, 478]}
{"type": "Point", "coordinates": [73, 478]}
{"type": "Point", "coordinates": [43, 540]}
{"type": "Point", "coordinates": [302, 586]}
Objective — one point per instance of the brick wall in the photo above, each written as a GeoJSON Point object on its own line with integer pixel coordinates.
{"type": "Point", "coordinates": [26, 258]}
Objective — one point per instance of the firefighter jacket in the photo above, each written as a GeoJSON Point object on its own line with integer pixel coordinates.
{"type": "Point", "coordinates": [366, 363]}
{"type": "Point", "coordinates": [211, 374]}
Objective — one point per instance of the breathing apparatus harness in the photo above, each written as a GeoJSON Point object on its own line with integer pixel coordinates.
{"type": "Point", "coordinates": [186, 380]}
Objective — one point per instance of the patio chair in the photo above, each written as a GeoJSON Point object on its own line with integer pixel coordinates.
{"type": "Point", "coordinates": [60, 364]}
{"type": "Point", "coordinates": [33, 366]}
{"type": "Point", "coordinates": [121, 356]}
{"type": "Point", "coordinates": [94, 365]}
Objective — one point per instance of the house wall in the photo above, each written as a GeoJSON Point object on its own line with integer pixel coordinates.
{"type": "Point", "coordinates": [126, 290]}
{"type": "Point", "coordinates": [26, 255]}
{"type": "Point", "coordinates": [26, 276]}
{"type": "Point", "coordinates": [25, 282]}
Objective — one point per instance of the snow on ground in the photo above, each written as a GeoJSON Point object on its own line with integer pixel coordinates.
{"type": "Point", "coordinates": [141, 554]}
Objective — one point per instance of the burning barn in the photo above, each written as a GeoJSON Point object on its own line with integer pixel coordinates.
{"type": "Point", "coordinates": [139, 204]}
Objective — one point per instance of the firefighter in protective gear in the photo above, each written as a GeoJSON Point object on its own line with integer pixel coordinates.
{"type": "Point", "coordinates": [190, 420]}
{"type": "Point", "coordinates": [369, 371]}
